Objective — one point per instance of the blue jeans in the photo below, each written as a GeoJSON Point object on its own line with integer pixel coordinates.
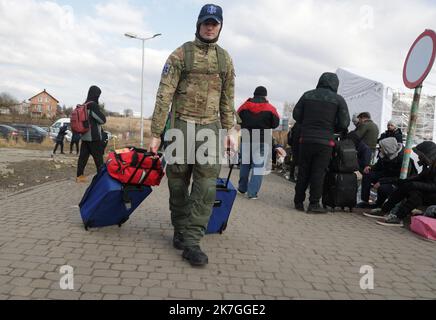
{"type": "Point", "coordinates": [253, 163]}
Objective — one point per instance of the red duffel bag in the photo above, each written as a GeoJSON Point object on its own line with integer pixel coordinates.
{"type": "Point", "coordinates": [135, 166]}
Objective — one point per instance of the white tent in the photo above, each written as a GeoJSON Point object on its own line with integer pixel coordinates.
{"type": "Point", "coordinates": [386, 98]}
{"type": "Point", "coordinates": [366, 95]}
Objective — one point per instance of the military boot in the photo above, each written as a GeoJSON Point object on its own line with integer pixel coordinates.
{"type": "Point", "coordinates": [195, 256]}
{"type": "Point", "coordinates": [178, 240]}
{"type": "Point", "coordinates": [316, 208]}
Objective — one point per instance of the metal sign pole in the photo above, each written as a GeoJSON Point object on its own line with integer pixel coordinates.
{"type": "Point", "coordinates": [411, 132]}
{"type": "Point", "coordinates": [417, 66]}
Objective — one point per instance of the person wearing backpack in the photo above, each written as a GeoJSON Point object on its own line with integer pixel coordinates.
{"type": "Point", "coordinates": [198, 82]}
{"type": "Point", "coordinates": [321, 113]}
{"type": "Point", "coordinates": [92, 139]}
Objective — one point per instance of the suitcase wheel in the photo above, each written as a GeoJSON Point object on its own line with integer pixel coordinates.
{"type": "Point", "coordinates": [223, 227]}
{"type": "Point", "coordinates": [122, 222]}
{"type": "Point", "coordinates": [87, 225]}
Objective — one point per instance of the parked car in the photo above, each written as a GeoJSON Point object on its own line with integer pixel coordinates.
{"type": "Point", "coordinates": [54, 128]}
{"type": "Point", "coordinates": [8, 132]}
{"type": "Point", "coordinates": [30, 132]}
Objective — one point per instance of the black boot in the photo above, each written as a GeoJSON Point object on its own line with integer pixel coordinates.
{"type": "Point", "coordinates": [178, 241]}
{"type": "Point", "coordinates": [299, 206]}
{"type": "Point", "coordinates": [316, 208]}
{"type": "Point", "coordinates": [195, 256]}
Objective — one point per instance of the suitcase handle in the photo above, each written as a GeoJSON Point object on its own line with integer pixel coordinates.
{"type": "Point", "coordinates": [153, 165]}
{"type": "Point", "coordinates": [231, 168]}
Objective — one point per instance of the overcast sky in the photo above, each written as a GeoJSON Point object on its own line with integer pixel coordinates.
{"type": "Point", "coordinates": [66, 46]}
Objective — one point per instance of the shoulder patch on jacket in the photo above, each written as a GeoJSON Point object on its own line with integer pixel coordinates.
{"type": "Point", "coordinates": [166, 69]}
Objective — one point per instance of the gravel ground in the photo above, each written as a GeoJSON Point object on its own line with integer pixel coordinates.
{"type": "Point", "coordinates": [21, 169]}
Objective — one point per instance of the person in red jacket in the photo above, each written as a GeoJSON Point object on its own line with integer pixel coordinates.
{"type": "Point", "coordinates": [255, 114]}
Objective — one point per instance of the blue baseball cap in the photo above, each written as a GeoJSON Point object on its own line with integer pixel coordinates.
{"type": "Point", "coordinates": [210, 11]}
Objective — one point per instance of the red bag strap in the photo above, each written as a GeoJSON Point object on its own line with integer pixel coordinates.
{"type": "Point", "coordinates": [146, 154]}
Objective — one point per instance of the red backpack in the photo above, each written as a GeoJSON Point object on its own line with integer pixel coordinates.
{"type": "Point", "coordinates": [135, 166]}
{"type": "Point", "coordinates": [79, 119]}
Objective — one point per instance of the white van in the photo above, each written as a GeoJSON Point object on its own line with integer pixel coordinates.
{"type": "Point", "coordinates": [54, 128]}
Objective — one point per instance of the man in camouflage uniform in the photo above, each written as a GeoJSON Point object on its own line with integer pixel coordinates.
{"type": "Point", "coordinates": [198, 81]}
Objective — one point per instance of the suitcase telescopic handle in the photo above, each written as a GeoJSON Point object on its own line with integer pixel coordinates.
{"type": "Point", "coordinates": [231, 168]}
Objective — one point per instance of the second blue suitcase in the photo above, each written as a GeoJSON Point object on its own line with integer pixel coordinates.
{"type": "Point", "coordinates": [225, 197]}
{"type": "Point", "coordinates": [107, 202]}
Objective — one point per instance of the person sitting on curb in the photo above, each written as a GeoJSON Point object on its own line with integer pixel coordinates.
{"type": "Point", "coordinates": [383, 174]}
{"type": "Point", "coordinates": [413, 192]}
{"type": "Point", "coordinates": [392, 131]}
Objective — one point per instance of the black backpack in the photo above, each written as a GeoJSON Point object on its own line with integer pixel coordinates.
{"type": "Point", "coordinates": [344, 157]}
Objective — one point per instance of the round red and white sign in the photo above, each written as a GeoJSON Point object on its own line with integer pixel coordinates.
{"type": "Point", "coordinates": [420, 59]}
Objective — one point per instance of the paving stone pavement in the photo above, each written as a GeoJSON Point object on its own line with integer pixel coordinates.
{"type": "Point", "coordinates": [269, 251]}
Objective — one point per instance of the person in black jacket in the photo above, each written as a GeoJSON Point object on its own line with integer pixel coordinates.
{"type": "Point", "coordinates": [321, 113]}
{"type": "Point", "coordinates": [392, 131]}
{"type": "Point", "coordinates": [92, 140]}
{"type": "Point", "coordinates": [413, 192]}
{"type": "Point", "coordinates": [60, 139]}
{"type": "Point", "coordinates": [364, 153]}
{"type": "Point", "coordinates": [255, 114]}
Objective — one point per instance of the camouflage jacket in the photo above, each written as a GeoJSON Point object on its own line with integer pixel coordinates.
{"type": "Point", "coordinates": [200, 96]}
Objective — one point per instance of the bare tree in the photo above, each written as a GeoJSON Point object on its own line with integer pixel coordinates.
{"type": "Point", "coordinates": [7, 100]}
{"type": "Point", "coordinates": [128, 113]}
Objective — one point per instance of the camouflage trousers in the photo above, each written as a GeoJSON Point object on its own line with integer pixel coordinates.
{"type": "Point", "coordinates": [190, 211]}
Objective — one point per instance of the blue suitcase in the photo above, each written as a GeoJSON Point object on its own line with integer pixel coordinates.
{"type": "Point", "coordinates": [225, 197]}
{"type": "Point", "coordinates": [108, 202]}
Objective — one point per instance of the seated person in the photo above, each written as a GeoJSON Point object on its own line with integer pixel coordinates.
{"type": "Point", "coordinates": [392, 131]}
{"type": "Point", "coordinates": [274, 154]}
{"type": "Point", "coordinates": [384, 174]}
{"type": "Point", "coordinates": [416, 191]}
